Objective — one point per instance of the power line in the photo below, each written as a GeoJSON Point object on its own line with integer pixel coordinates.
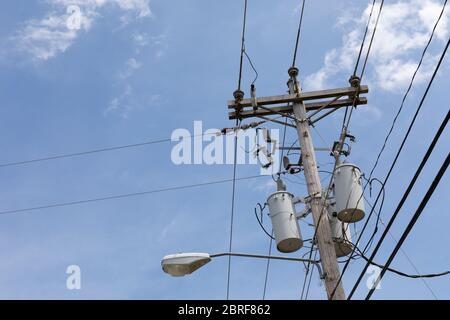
{"type": "Point", "coordinates": [400, 273]}
{"type": "Point", "coordinates": [297, 41]}
{"type": "Point", "coordinates": [365, 62]}
{"type": "Point", "coordinates": [232, 212]}
{"type": "Point", "coordinates": [398, 152]}
{"type": "Point", "coordinates": [371, 39]}
{"type": "Point", "coordinates": [407, 91]}
{"type": "Point", "coordinates": [414, 219]}
{"type": "Point", "coordinates": [126, 195]}
{"type": "Point", "coordinates": [266, 276]}
{"type": "Point", "coordinates": [242, 45]}
{"type": "Point", "coordinates": [406, 256]}
{"type": "Point", "coordinates": [236, 94]}
{"type": "Point", "coordinates": [403, 199]}
{"type": "Point", "coordinates": [267, 267]}
{"type": "Point", "coordinates": [364, 38]}
{"type": "Point", "coordinates": [345, 124]}
{"type": "Point", "coordinates": [99, 150]}
{"type": "Point", "coordinates": [308, 273]}
{"type": "Point", "coordinates": [126, 146]}
{"type": "Point", "coordinates": [403, 274]}
{"type": "Point", "coordinates": [69, 155]}
{"type": "Point", "coordinates": [346, 121]}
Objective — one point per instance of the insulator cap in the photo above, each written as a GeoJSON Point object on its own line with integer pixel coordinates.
{"type": "Point", "coordinates": [354, 81]}
{"type": "Point", "coordinates": [238, 95]}
{"type": "Point", "coordinates": [293, 71]}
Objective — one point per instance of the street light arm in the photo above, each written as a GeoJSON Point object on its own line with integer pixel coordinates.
{"type": "Point", "coordinates": [235, 254]}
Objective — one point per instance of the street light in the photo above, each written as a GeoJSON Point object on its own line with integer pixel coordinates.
{"type": "Point", "coordinates": [181, 264]}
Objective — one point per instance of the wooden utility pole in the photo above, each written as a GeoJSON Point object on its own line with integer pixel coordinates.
{"type": "Point", "coordinates": [323, 231]}
{"type": "Point", "coordinates": [293, 105]}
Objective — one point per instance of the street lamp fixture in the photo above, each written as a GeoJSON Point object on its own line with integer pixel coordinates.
{"type": "Point", "coordinates": [181, 264]}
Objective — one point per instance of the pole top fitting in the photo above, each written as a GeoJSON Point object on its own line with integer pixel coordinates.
{"type": "Point", "coordinates": [238, 95]}
{"type": "Point", "coordinates": [293, 71]}
{"type": "Point", "coordinates": [354, 81]}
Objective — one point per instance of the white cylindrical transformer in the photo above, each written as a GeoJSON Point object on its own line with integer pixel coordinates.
{"type": "Point", "coordinates": [284, 222]}
{"type": "Point", "coordinates": [348, 192]}
{"type": "Point", "coordinates": [340, 233]}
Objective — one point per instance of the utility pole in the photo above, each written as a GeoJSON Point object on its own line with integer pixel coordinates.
{"type": "Point", "coordinates": [293, 105]}
{"type": "Point", "coordinates": [323, 232]}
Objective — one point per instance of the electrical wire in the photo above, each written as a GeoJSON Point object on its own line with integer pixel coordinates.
{"type": "Point", "coordinates": [242, 45]}
{"type": "Point", "coordinates": [355, 98]}
{"type": "Point", "coordinates": [267, 267]}
{"type": "Point", "coordinates": [244, 22]}
{"type": "Point", "coordinates": [310, 277]}
{"type": "Point", "coordinates": [404, 254]}
{"type": "Point", "coordinates": [372, 237]}
{"type": "Point", "coordinates": [121, 196]}
{"type": "Point", "coordinates": [308, 270]}
{"type": "Point", "coordinates": [260, 222]}
{"type": "Point", "coordinates": [402, 144]}
{"type": "Point", "coordinates": [93, 151]}
{"type": "Point", "coordinates": [69, 155]}
{"type": "Point", "coordinates": [271, 236]}
{"type": "Point", "coordinates": [233, 193]}
{"type": "Point", "coordinates": [407, 91]}
{"type": "Point", "coordinates": [414, 219]}
{"type": "Point", "coordinates": [404, 197]}
{"type": "Point", "coordinates": [297, 41]}
{"type": "Point", "coordinates": [253, 67]}
{"type": "Point", "coordinates": [364, 38]}
{"type": "Point", "coordinates": [400, 273]}
{"type": "Point", "coordinates": [371, 39]}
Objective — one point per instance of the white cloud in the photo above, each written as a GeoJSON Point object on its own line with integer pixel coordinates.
{"type": "Point", "coordinates": [157, 42]}
{"type": "Point", "coordinates": [128, 102]}
{"type": "Point", "coordinates": [366, 115]}
{"type": "Point", "coordinates": [160, 45]}
{"type": "Point", "coordinates": [46, 38]}
{"type": "Point", "coordinates": [140, 39]}
{"type": "Point", "coordinates": [122, 104]}
{"type": "Point", "coordinates": [402, 33]}
{"type": "Point", "coordinates": [130, 67]}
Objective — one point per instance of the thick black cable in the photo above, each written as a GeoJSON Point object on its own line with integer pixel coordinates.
{"type": "Point", "coordinates": [403, 199]}
{"type": "Point", "coordinates": [398, 153]}
{"type": "Point", "coordinates": [260, 222]}
{"type": "Point", "coordinates": [401, 273]}
{"type": "Point", "coordinates": [414, 219]}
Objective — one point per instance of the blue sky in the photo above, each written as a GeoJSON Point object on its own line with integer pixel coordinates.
{"type": "Point", "coordinates": [135, 71]}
